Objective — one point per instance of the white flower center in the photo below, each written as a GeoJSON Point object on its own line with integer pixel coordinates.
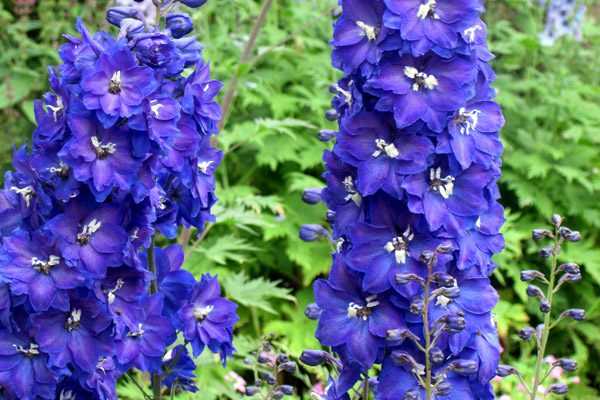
{"type": "Point", "coordinates": [399, 246]}
{"type": "Point", "coordinates": [444, 186]}
{"type": "Point", "coordinates": [26, 193]}
{"type": "Point", "coordinates": [139, 332]}
{"type": "Point", "coordinates": [389, 149]}
{"type": "Point", "coordinates": [110, 295]}
{"type": "Point", "coordinates": [155, 107]}
{"type": "Point", "coordinates": [347, 94]}
{"type": "Point", "coordinates": [203, 166]}
{"type": "Point", "coordinates": [370, 31]}
{"type": "Point", "coordinates": [44, 266]}
{"type": "Point", "coordinates": [420, 79]}
{"type": "Point", "coordinates": [57, 108]}
{"type": "Point", "coordinates": [67, 395]}
{"type": "Point", "coordinates": [467, 121]}
{"type": "Point", "coordinates": [114, 86]}
{"type": "Point", "coordinates": [33, 349]}
{"type": "Point", "coordinates": [351, 190]}
{"type": "Point", "coordinates": [363, 312]}
{"type": "Point", "coordinates": [427, 10]}
{"type": "Point", "coordinates": [200, 313]}
{"type": "Point", "coordinates": [88, 230]}
{"type": "Point", "coordinates": [61, 170]}
{"type": "Point", "coordinates": [471, 32]}
{"type": "Point", "coordinates": [74, 320]}
{"type": "Point", "coordinates": [103, 150]}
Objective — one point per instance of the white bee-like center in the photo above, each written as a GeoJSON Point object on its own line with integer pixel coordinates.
{"type": "Point", "coordinates": [203, 166]}
{"type": "Point", "coordinates": [88, 231]}
{"type": "Point", "coordinates": [26, 193]}
{"type": "Point", "coordinates": [420, 79]}
{"type": "Point", "coordinates": [32, 350]}
{"type": "Point", "coordinates": [389, 149]}
{"type": "Point", "coordinates": [45, 266]}
{"type": "Point", "coordinates": [363, 312]}
{"type": "Point", "coordinates": [399, 246]}
{"type": "Point", "coordinates": [370, 31]}
{"type": "Point", "coordinates": [471, 32]}
{"type": "Point", "coordinates": [57, 108]}
{"type": "Point", "coordinates": [200, 313]}
{"type": "Point", "coordinates": [444, 186]}
{"type": "Point", "coordinates": [467, 121]}
{"type": "Point", "coordinates": [351, 190]}
{"type": "Point", "coordinates": [110, 295]}
{"type": "Point", "coordinates": [103, 150]}
{"type": "Point", "coordinates": [347, 94]}
{"type": "Point", "coordinates": [428, 10]}
{"type": "Point", "coordinates": [155, 107]}
{"type": "Point", "coordinates": [74, 320]}
{"type": "Point", "coordinates": [139, 332]}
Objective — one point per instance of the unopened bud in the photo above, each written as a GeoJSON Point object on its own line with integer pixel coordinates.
{"type": "Point", "coordinates": [526, 333]}
{"type": "Point", "coordinates": [557, 220]}
{"type": "Point", "coordinates": [531, 275]}
{"type": "Point", "coordinates": [576, 314]}
{"type": "Point", "coordinates": [312, 196]}
{"type": "Point", "coordinates": [534, 291]}
{"type": "Point", "coordinates": [558, 388]}
{"type": "Point", "coordinates": [312, 311]}
{"type": "Point", "coordinates": [567, 364]}
{"type": "Point", "coordinates": [312, 232]}
{"type": "Point", "coordinates": [332, 115]}
{"type": "Point", "coordinates": [326, 135]}
{"type": "Point", "coordinates": [539, 234]}
{"type": "Point", "coordinates": [464, 367]}
{"type": "Point", "coordinates": [505, 370]}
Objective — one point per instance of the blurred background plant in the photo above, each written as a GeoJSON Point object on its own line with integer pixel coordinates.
{"type": "Point", "coordinates": [551, 99]}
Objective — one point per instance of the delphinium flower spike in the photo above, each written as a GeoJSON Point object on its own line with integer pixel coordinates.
{"type": "Point", "coordinates": [552, 280]}
{"type": "Point", "coordinates": [563, 18]}
{"type": "Point", "coordinates": [413, 202]}
{"type": "Point", "coordinates": [121, 159]}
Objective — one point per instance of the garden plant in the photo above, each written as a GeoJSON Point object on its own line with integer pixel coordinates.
{"type": "Point", "coordinates": [387, 304]}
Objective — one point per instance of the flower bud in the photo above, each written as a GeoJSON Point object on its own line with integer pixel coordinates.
{"type": "Point", "coordinates": [539, 234]}
{"type": "Point", "coordinates": [545, 306]}
{"type": "Point", "coordinates": [312, 311]}
{"type": "Point", "coordinates": [326, 135]}
{"type": "Point", "coordinates": [179, 24]}
{"type": "Point", "coordinates": [505, 370]}
{"type": "Point", "coordinates": [252, 390]}
{"type": "Point", "coordinates": [531, 275]}
{"type": "Point", "coordinates": [282, 358]}
{"type": "Point", "coordinates": [115, 15]}
{"type": "Point", "coordinates": [403, 279]}
{"type": "Point", "coordinates": [450, 292]}
{"type": "Point", "coordinates": [332, 115]}
{"type": "Point", "coordinates": [576, 314]}
{"type": "Point", "coordinates": [267, 377]}
{"type": "Point", "coordinates": [416, 307]}
{"type": "Point", "coordinates": [443, 388]}
{"type": "Point", "coordinates": [534, 291]}
{"type": "Point", "coordinates": [427, 256]}
{"type": "Point", "coordinates": [314, 357]}
{"type": "Point", "coordinates": [569, 235]}
{"type": "Point", "coordinates": [454, 323]}
{"type": "Point", "coordinates": [437, 355]}
{"type": "Point", "coordinates": [547, 252]}
{"type": "Point", "coordinates": [286, 389]}
{"type": "Point", "coordinates": [193, 3]}
{"type": "Point", "coordinates": [403, 358]}
{"type": "Point", "coordinates": [312, 232]}
{"type": "Point", "coordinates": [445, 248]}
{"type": "Point", "coordinates": [443, 279]}
{"type": "Point", "coordinates": [557, 220]}
{"type": "Point", "coordinates": [570, 278]}
{"type": "Point", "coordinates": [570, 268]}
{"type": "Point", "coordinates": [526, 333]}
{"type": "Point", "coordinates": [312, 196]}
{"type": "Point", "coordinates": [288, 366]}
{"type": "Point", "coordinates": [567, 364]}
{"type": "Point", "coordinates": [264, 358]}
{"type": "Point", "coordinates": [412, 395]}
{"type": "Point", "coordinates": [558, 388]}
{"type": "Point", "coordinates": [464, 367]}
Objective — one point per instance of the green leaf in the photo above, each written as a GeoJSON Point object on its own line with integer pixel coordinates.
{"type": "Point", "coordinates": [255, 293]}
{"type": "Point", "coordinates": [227, 248]}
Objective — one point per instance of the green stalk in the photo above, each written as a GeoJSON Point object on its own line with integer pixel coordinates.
{"type": "Point", "coordinates": [427, 332]}
{"type": "Point", "coordinates": [543, 342]}
{"type": "Point", "coordinates": [155, 378]}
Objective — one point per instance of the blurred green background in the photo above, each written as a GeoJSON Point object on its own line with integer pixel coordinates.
{"type": "Point", "coordinates": [551, 99]}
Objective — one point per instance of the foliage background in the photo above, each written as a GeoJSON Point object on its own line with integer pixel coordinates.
{"type": "Point", "coordinates": [551, 98]}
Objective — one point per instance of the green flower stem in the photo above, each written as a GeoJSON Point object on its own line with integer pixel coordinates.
{"type": "Point", "coordinates": [427, 331]}
{"type": "Point", "coordinates": [155, 378]}
{"type": "Point", "coordinates": [548, 325]}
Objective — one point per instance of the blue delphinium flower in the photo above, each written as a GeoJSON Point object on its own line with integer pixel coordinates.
{"type": "Point", "coordinates": [122, 154]}
{"type": "Point", "coordinates": [413, 202]}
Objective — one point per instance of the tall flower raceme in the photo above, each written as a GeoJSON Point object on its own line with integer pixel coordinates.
{"type": "Point", "coordinates": [563, 18]}
{"type": "Point", "coordinates": [122, 154]}
{"type": "Point", "coordinates": [413, 203]}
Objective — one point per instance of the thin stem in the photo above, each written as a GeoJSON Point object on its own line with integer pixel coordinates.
{"type": "Point", "coordinates": [230, 92]}
{"type": "Point", "coordinates": [141, 389]}
{"type": "Point", "coordinates": [427, 331]}
{"type": "Point", "coordinates": [365, 394]}
{"type": "Point", "coordinates": [155, 378]}
{"type": "Point", "coordinates": [541, 346]}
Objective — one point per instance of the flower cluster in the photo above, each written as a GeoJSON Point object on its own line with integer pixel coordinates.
{"type": "Point", "coordinates": [557, 277]}
{"type": "Point", "coordinates": [122, 153]}
{"type": "Point", "coordinates": [563, 18]}
{"type": "Point", "coordinates": [413, 201]}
